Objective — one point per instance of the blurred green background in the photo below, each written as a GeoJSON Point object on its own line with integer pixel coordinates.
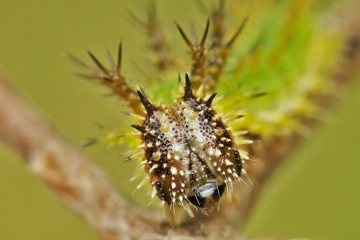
{"type": "Point", "coordinates": [315, 194]}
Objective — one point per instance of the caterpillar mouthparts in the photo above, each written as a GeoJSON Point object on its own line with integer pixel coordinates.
{"type": "Point", "coordinates": [190, 154]}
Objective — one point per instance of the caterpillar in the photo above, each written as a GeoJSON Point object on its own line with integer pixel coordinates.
{"type": "Point", "coordinates": [192, 149]}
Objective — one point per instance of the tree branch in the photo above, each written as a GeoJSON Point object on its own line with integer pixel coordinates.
{"type": "Point", "coordinates": [74, 179]}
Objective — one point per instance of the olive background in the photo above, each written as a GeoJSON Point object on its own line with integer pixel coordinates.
{"type": "Point", "coordinates": [314, 194]}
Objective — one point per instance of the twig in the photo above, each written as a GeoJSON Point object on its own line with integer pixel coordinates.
{"type": "Point", "coordinates": [74, 179]}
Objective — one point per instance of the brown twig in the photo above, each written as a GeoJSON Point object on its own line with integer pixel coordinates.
{"type": "Point", "coordinates": [68, 173]}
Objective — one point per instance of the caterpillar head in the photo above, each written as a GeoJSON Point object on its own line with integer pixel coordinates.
{"type": "Point", "coordinates": [190, 154]}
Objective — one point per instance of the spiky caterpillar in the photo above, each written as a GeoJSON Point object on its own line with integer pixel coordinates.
{"type": "Point", "coordinates": [170, 151]}
{"type": "Point", "coordinates": [190, 155]}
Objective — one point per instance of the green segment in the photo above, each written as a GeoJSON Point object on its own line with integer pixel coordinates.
{"type": "Point", "coordinates": [284, 61]}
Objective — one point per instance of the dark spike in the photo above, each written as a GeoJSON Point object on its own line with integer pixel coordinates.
{"type": "Point", "coordinates": [99, 125]}
{"type": "Point", "coordinates": [77, 61]}
{"type": "Point", "coordinates": [118, 66]}
{"type": "Point", "coordinates": [188, 42]}
{"type": "Point", "coordinates": [106, 79]}
{"type": "Point", "coordinates": [90, 142]}
{"type": "Point", "coordinates": [209, 101]}
{"type": "Point", "coordinates": [259, 94]}
{"type": "Point", "coordinates": [239, 116]}
{"type": "Point", "coordinates": [145, 102]}
{"type": "Point", "coordinates": [111, 60]}
{"type": "Point", "coordinates": [188, 92]}
{"type": "Point", "coordinates": [86, 76]}
{"type": "Point", "coordinates": [127, 159]}
{"type": "Point", "coordinates": [232, 40]}
{"type": "Point", "coordinates": [97, 62]}
{"type": "Point", "coordinates": [202, 53]}
{"type": "Point", "coordinates": [202, 43]}
{"type": "Point", "coordinates": [139, 128]}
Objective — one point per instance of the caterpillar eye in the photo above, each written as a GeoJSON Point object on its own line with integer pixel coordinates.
{"type": "Point", "coordinates": [207, 193]}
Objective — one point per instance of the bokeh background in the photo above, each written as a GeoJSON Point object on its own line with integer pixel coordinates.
{"type": "Point", "coordinates": [316, 193]}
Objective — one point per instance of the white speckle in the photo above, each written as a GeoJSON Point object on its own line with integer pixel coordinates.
{"type": "Point", "coordinates": [182, 173]}
{"type": "Point", "coordinates": [215, 164]}
{"type": "Point", "coordinates": [183, 184]}
{"type": "Point", "coordinates": [163, 176]}
{"type": "Point", "coordinates": [219, 169]}
{"type": "Point", "coordinates": [155, 166]}
{"type": "Point", "coordinates": [229, 170]}
{"type": "Point", "coordinates": [227, 162]}
{"type": "Point", "coordinates": [217, 153]}
{"type": "Point", "coordinates": [173, 170]}
{"type": "Point", "coordinates": [181, 198]}
{"type": "Point", "coordinates": [173, 185]}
